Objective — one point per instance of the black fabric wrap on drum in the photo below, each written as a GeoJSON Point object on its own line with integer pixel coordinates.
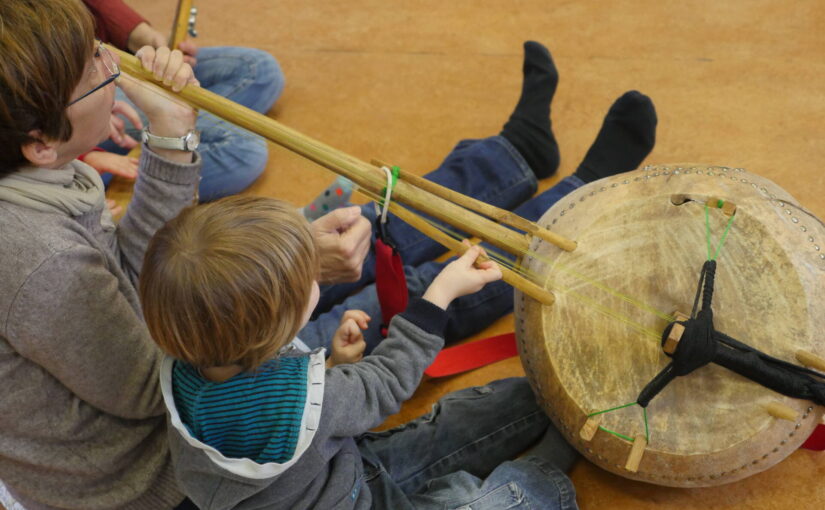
{"type": "Point", "coordinates": [702, 344]}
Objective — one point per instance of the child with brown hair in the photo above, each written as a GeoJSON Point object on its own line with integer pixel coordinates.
{"type": "Point", "coordinates": [257, 422]}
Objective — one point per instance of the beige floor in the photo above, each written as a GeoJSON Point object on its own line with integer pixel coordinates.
{"type": "Point", "coordinates": [737, 83]}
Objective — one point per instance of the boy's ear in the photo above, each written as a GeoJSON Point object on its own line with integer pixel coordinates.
{"type": "Point", "coordinates": [40, 152]}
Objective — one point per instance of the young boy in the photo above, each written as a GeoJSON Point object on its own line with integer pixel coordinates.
{"type": "Point", "coordinates": [257, 422]}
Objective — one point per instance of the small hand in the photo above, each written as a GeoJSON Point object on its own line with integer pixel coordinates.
{"type": "Point", "coordinates": [190, 51]}
{"type": "Point", "coordinates": [113, 207]}
{"type": "Point", "coordinates": [461, 277]}
{"type": "Point", "coordinates": [116, 164]}
{"type": "Point", "coordinates": [348, 343]}
{"type": "Point", "coordinates": [343, 238]}
{"type": "Point", "coordinates": [117, 127]}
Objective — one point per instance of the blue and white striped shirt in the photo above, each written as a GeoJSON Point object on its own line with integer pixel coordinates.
{"type": "Point", "coordinates": [254, 415]}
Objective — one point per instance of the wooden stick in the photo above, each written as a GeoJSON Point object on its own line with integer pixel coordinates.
{"type": "Point", "coordinates": [500, 215]}
{"type": "Point", "coordinates": [781, 411]}
{"type": "Point", "coordinates": [676, 332]}
{"type": "Point", "coordinates": [810, 359]}
{"type": "Point", "coordinates": [365, 175]}
{"type": "Point", "coordinates": [636, 452]}
{"type": "Point", "coordinates": [541, 295]}
{"type": "Point", "coordinates": [590, 427]}
{"type": "Point", "coordinates": [184, 20]}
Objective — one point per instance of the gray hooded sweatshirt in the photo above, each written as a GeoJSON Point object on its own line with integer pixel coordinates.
{"type": "Point", "coordinates": [325, 471]}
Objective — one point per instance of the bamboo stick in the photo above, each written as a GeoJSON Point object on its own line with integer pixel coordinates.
{"type": "Point", "coordinates": [365, 175]}
{"type": "Point", "coordinates": [540, 294]}
{"type": "Point", "coordinates": [500, 215]}
{"type": "Point", "coordinates": [184, 20]}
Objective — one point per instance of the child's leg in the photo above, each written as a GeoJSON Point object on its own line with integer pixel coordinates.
{"type": "Point", "coordinates": [472, 430]}
{"type": "Point", "coordinates": [526, 483]}
{"type": "Point", "coordinates": [500, 170]}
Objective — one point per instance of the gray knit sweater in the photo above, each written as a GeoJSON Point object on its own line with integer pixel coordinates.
{"type": "Point", "coordinates": [81, 415]}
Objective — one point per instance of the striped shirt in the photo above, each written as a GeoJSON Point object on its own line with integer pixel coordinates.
{"type": "Point", "coordinates": [254, 415]}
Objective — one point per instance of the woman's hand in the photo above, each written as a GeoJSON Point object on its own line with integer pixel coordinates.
{"type": "Point", "coordinates": [344, 238]}
{"type": "Point", "coordinates": [461, 277]}
{"type": "Point", "coordinates": [167, 115]}
{"type": "Point", "coordinates": [348, 343]}
{"type": "Point", "coordinates": [122, 166]}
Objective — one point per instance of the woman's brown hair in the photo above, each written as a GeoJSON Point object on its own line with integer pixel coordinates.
{"type": "Point", "coordinates": [229, 282]}
{"type": "Point", "coordinates": [44, 48]}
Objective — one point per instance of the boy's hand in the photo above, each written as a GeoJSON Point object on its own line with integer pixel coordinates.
{"type": "Point", "coordinates": [113, 207]}
{"type": "Point", "coordinates": [190, 51]}
{"type": "Point", "coordinates": [116, 164]}
{"type": "Point", "coordinates": [461, 277]}
{"type": "Point", "coordinates": [117, 127]}
{"type": "Point", "coordinates": [145, 35]}
{"type": "Point", "coordinates": [348, 343]}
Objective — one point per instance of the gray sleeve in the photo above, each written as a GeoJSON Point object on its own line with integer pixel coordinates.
{"type": "Point", "coordinates": [359, 396]}
{"type": "Point", "coordinates": [70, 318]}
{"type": "Point", "coordinates": [162, 190]}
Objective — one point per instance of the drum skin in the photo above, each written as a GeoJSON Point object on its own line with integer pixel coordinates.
{"type": "Point", "coordinates": [638, 253]}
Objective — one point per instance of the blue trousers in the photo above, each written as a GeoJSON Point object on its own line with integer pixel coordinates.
{"type": "Point", "coordinates": [232, 157]}
{"type": "Point", "coordinates": [490, 170]}
{"type": "Point", "coordinates": [458, 456]}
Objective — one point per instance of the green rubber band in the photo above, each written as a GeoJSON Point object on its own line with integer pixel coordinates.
{"type": "Point", "coordinates": [611, 409]}
{"type": "Point", "coordinates": [647, 431]}
{"type": "Point", "coordinates": [724, 236]}
{"type": "Point", "coordinates": [707, 230]}
{"type": "Point", "coordinates": [617, 434]}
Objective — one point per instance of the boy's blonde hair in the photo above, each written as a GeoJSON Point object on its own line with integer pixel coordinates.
{"type": "Point", "coordinates": [229, 282]}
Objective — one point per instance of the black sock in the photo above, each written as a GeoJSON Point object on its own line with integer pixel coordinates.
{"type": "Point", "coordinates": [528, 128]}
{"type": "Point", "coordinates": [626, 138]}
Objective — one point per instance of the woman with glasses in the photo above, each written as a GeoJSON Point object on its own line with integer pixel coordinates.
{"type": "Point", "coordinates": [82, 423]}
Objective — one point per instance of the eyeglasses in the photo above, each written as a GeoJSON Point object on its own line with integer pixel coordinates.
{"type": "Point", "coordinates": [109, 64]}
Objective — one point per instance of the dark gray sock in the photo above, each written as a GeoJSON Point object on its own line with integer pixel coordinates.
{"type": "Point", "coordinates": [528, 128]}
{"type": "Point", "coordinates": [626, 138]}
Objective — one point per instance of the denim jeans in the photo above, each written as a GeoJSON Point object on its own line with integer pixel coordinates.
{"type": "Point", "coordinates": [458, 456]}
{"type": "Point", "coordinates": [232, 157]}
{"type": "Point", "coordinates": [490, 170]}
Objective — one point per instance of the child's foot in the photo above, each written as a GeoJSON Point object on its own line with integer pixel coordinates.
{"type": "Point", "coordinates": [336, 195]}
{"type": "Point", "coordinates": [528, 128]}
{"type": "Point", "coordinates": [626, 138]}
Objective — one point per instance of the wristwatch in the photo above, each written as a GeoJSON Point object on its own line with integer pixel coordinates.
{"type": "Point", "coordinates": [188, 142]}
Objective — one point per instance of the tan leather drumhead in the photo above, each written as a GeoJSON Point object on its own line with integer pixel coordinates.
{"type": "Point", "coordinates": [638, 260]}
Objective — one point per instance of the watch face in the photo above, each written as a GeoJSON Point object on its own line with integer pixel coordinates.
{"type": "Point", "coordinates": [193, 139]}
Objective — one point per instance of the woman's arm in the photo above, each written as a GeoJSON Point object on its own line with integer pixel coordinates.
{"type": "Point", "coordinates": [162, 190]}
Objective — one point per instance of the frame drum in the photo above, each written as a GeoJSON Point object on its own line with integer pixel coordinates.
{"type": "Point", "coordinates": [642, 239]}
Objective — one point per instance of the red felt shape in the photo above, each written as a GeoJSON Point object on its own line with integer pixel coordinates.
{"type": "Point", "coordinates": [465, 357]}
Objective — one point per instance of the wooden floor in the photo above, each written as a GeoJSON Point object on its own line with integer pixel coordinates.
{"type": "Point", "coordinates": [737, 83]}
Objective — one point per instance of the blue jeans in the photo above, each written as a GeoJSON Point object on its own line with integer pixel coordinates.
{"type": "Point", "coordinates": [232, 157]}
{"type": "Point", "coordinates": [490, 170]}
{"type": "Point", "coordinates": [460, 453]}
